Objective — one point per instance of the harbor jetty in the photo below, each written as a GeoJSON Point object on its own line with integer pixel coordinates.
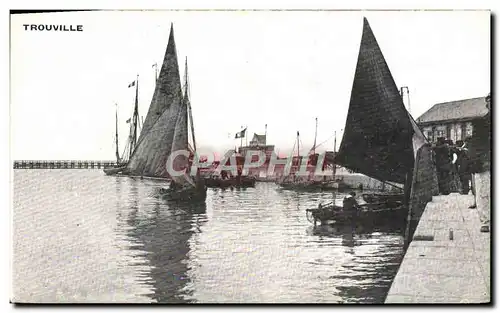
{"type": "Point", "coordinates": [64, 164]}
{"type": "Point", "coordinates": [448, 260]}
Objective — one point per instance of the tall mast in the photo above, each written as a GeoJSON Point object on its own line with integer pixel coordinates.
{"type": "Point", "coordinates": [135, 118]}
{"type": "Point", "coordinates": [156, 71]}
{"type": "Point", "coordinates": [188, 103]}
{"type": "Point", "coordinates": [298, 145]}
{"type": "Point", "coordinates": [117, 152]}
{"type": "Point", "coordinates": [334, 154]}
{"type": "Point", "coordinates": [402, 89]}
{"type": "Point", "coordinates": [241, 139]}
{"type": "Point", "coordinates": [335, 142]}
{"type": "Point", "coordinates": [315, 135]}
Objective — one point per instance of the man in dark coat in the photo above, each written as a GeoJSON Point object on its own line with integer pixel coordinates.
{"type": "Point", "coordinates": [480, 157]}
{"type": "Point", "coordinates": [443, 165]}
{"type": "Point", "coordinates": [462, 164]}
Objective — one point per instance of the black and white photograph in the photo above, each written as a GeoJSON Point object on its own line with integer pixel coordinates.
{"type": "Point", "coordinates": [250, 156]}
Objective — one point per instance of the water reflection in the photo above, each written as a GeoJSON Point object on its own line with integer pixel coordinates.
{"type": "Point", "coordinates": [251, 245]}
{"type": "Point", "coordinates": [164, 236]}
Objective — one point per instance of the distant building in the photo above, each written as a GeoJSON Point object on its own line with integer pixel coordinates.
{"type": "Point", "coordinates": [258, 143]}
{"type": "Point", "coordinates": [452, 120]}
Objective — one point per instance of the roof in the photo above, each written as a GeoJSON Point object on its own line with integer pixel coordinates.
{"type": "Point", "coordinates": [259, 138]}
{"type": "Point", "coordinates": [455, 110]}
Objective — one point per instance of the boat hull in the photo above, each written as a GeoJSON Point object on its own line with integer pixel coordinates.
{"type": "Point", "coordinates": [188, 195]}
{"type": "Point", "coordinates": [381, 197]}
{"type": "Point", "coordinates": [371, 215]}
{"type": "Point", "coordinates": [244, 182]}
{"type": "Point", "coordinates": [113, 170]}
{"type": "Point", "coordinates": [313, 186]}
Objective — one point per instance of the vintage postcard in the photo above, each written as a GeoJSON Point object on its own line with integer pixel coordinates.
{"type": "Point", "coordinates": [250, 156]}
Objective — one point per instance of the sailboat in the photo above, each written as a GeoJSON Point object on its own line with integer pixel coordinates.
{"type": "Point", "coordinates": [187, 186]}
{"type": "Point", "coordinates": [381, 140]}
{"type": "Point", "coordinates": [295, 181]}
{"type": "Point", "coordinates": [118, 166]}
{"type": "Point", "coordinates": [121, 162]}
{"type": "Point", "coordinates": [148, 152]}
{"type": "Point", "coordinates": [305, 183]}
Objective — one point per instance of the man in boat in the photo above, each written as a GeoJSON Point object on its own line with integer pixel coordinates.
{"type": "Point", "coordinates": [223, 175]}
{"type": "Point", "coordinates": [238, 177]}
{"type": "Point", "coordinates": [173, 185]}
{"type": "Point", "coordinates": [350, 208]}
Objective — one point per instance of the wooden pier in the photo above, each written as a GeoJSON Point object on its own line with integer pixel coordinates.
{"type": "Point", "coordinates": [62, 164]}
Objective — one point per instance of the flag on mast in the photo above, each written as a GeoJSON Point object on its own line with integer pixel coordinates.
{"type": "Point", "coordinates": [240, 134]}
{"type": "Point", "coordinates": [132, 84]}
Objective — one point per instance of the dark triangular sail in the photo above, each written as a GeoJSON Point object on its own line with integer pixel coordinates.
{"type": "Point", "coordinates": [377, 138]}
{"type": "Point", "coordinates": [168, 86]}
{"type": "Point", "coordinates": [155, 141]}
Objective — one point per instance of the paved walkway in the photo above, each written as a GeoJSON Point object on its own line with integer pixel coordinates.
{"type": "Point", "coordinates": [444, 270]}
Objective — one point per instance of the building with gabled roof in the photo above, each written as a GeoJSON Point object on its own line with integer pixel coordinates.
{"type": "Point", "coordinates": [453, 119]}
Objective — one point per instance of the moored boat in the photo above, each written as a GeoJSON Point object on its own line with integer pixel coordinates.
{"type": "Point", "coordinates": [185, 186]}
{"type": "Point", "coordinates": [154, 143]}
{"type": "Point", "coordinates": [380, 140]}
{"type": "Point", "coordinates": [368, 215]}
{"type": "Point", "coordinates": [185, 194]}
{"type": "Point", "coordinates": [121, 162]}
{"type": "Point", "coordinates": [383, 197]}
{"type": "Point", "coordinates": [236, 182]}
{"type": "Point", "coordinates": [113, 170]}
{"type": "Point", "coordinates": [222, 175]}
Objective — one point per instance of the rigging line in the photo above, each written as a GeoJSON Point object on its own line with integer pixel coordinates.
{"type": "Point", "coordinates": [390, 184]}
{"type": "Point", "coordinates": [333, 135]}
{"type": "Point", "coordinates": [294, 144]}
{"type": "Point", "coordinates": [125, 150]}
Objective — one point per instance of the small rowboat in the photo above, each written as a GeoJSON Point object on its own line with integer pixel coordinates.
{"type": "Point", "coordinates": [369, 214]}
{"type": "Point", "coordinates": [383, 197]}
{"type": "Point", "coordinates": [217, 182]}
{"type": "Point", "coordinates": [185, 194]}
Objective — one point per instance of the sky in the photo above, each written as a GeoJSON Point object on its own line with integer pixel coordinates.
{"type": "Point", "coordinates": [280, 68]}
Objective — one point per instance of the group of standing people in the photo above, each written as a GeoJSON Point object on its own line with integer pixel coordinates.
{"type": "Point", "coordinates": [466, 165]}
{"type": "Point", "coordinates": [453, 166]}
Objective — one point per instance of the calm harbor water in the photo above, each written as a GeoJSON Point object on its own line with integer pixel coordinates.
{"type": "Point", "coordinates": [81, 236]}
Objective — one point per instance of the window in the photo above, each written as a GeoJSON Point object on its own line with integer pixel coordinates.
{"type": "Point", "coordinates": [463, 131]}
{"type": "Point", "coordinates": [429, 136]}
{"type": "Point", "coordinates": [468, 129]}
{"type": "Point", "coordinates": [440, 133]}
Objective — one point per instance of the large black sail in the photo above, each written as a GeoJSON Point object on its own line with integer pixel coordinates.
{"type": "Point", "coordinates": [377, 138]}
{"type": "Point", "coordinates": [155, 141]}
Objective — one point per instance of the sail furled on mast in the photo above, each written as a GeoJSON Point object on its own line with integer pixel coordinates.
{"type": "Point", "coordinates": [117, 152]}
{"type": "Point", "coordinates": [135, 120]}
{"type": "Point", "coordinates": [180, 143]}
{"type": "Point", "coordinates": [155, 141]}
{"type": "Point", "coordinates": [378, 134]}
{"type": "Point", "coordinates": [188, 105]}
